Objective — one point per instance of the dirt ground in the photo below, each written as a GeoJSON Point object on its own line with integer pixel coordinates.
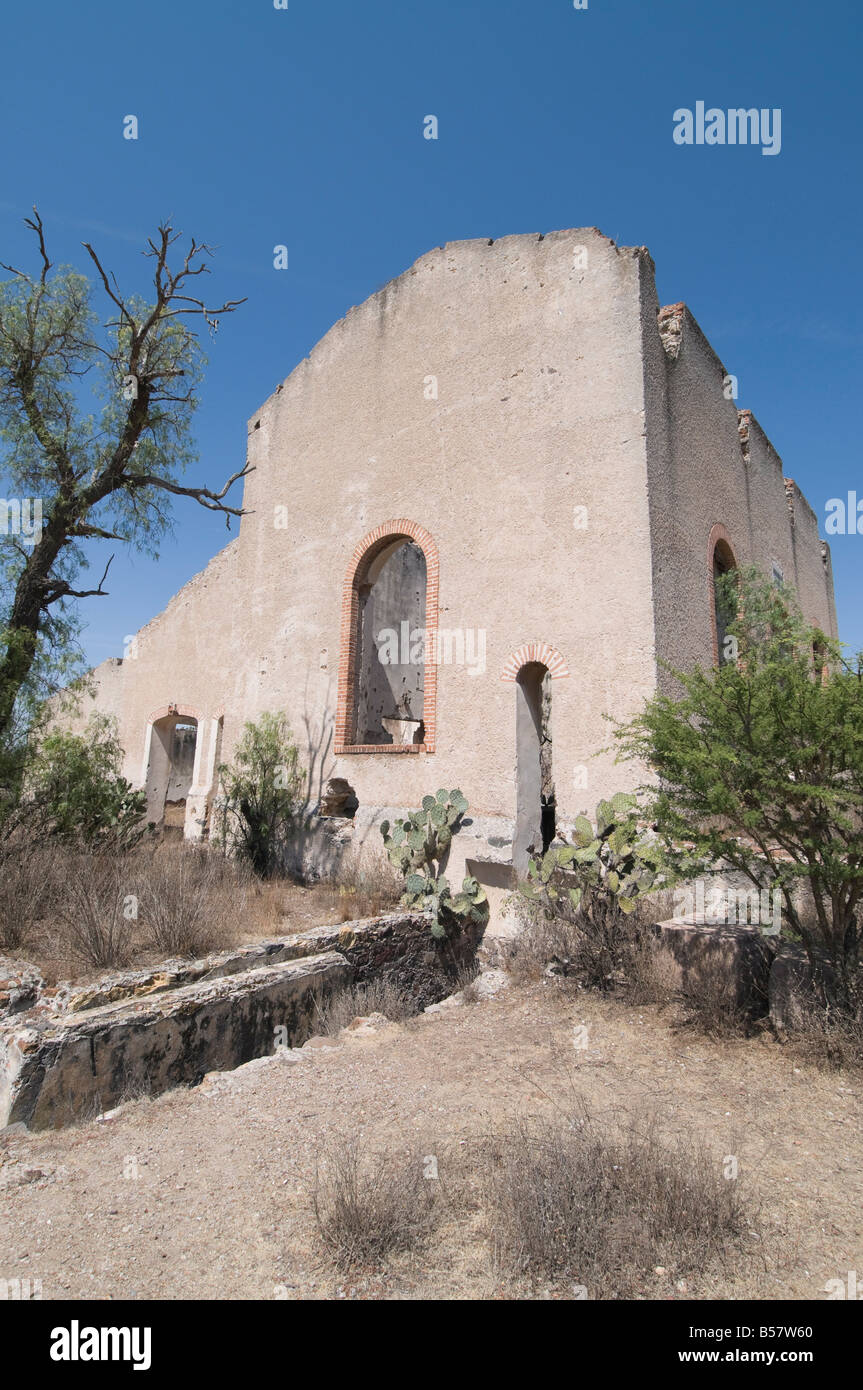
{"type": "Point", "coordinates": [207, 1192]}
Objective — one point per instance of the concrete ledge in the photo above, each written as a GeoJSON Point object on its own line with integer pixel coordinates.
{"type": "Point", "coordinates": [55, 1070]}
{"type": "Point", "coordinates": [741, 954]}
{"type": "Point", "coordinates": [69, 1053]}
{"type": "Point", "coordinates": [176, 973]}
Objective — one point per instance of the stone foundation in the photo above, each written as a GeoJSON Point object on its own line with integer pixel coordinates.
{"type": "Point", "coordinates": [70, 1053]}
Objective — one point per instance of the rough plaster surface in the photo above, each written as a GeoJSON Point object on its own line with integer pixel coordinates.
{"type": "Point", "coordinates": [557, 385]}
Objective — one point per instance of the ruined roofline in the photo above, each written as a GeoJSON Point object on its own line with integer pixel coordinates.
{"type": "Point", "coordinates": [189, 585]}
{"type": "Point", "coordinates": [513, 239]}
{"type": "Point", "coordinates": [677, 324]}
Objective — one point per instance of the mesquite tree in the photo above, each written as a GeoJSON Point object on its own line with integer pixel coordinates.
{"type": "Point", "coordinates": [759, 763]}
{"type": "Point", "coordinates": [106, 475]}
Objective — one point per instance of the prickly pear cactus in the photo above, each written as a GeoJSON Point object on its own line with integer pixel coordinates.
{"type": "Point", "coordinates": [416, 846]}
{"type": "Point", "coordinates": [612, 864]}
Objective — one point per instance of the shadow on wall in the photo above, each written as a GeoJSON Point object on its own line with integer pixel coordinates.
{"type": "Point", "coordinates": [324, 831]}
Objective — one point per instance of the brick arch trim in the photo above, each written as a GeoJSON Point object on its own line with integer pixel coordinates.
{"type": "Point", "coordinates": [184, 711]}
{"type": "Point", "coordinates": [539, 652]}
{"type": "Point", "coordinates": [366, 550]}
{"type": "Point", "coordinates": [719, 534]}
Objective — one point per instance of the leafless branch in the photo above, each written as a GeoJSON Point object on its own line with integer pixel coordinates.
{"type": "Point", "coordinates": [211, 500]}
{"type": "Point", "coordinates": [35, 224]}
{"type": "Point", "coordinates": [115, 297]}
{"type": "Point", "coordinates": [64, 590]}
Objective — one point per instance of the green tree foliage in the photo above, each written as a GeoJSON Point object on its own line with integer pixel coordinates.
{"type": "Point", "coordinates": [74, 792]}
{"type": "Point", "coordinates": [418, 847]}
{"type": "Point", "coordinates": [261, 791]}
{"type": "Point", "coordinates": [103, 475]}
{"type": "Point", "coordinates": [759, 763]}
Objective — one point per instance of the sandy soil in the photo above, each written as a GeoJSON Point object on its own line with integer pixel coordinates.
{"type": "Point", "coordinates": [217, 1201]}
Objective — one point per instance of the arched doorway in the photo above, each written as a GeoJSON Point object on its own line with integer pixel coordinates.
{"type": "Point", "coordinates": [171, 768]}
{"type": "Point", "coordinates": [535, 797]}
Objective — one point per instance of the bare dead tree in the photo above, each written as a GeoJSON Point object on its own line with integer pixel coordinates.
{"type": "Point", "coordinates": [103, 478]}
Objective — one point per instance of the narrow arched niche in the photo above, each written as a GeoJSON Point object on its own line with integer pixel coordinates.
{"type": "Point", "coordinates": [535, 796]}
{"type": "Point", "coordinates": [722, 562]}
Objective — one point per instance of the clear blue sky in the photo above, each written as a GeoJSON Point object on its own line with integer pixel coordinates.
{"type": "Point", "coordinates": [304, 127]}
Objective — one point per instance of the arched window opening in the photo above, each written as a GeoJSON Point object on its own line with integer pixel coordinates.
{"type": "Point", "coordinates": [723, 608]}
{"type": "Point", "coordinates": [389, 643]}
{"type": "Point", "coordinates": [535, 814]}
{"type": "Point", "coordinates": [392, 647]}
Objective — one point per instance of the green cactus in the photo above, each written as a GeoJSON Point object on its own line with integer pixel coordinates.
{"type": "Point", "coordinates": [416, 845]}
{"type": "Point", "coordinates": [597, 880]}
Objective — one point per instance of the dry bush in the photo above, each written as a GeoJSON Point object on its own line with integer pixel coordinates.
{"type": "Point", "coordinates": [365, 889]}
{"type": "Point", "coordinates": [368, 1207]}
{"type": "Point", "coordinates": [825, 1037]}
{"type": "Point", "coordinates": [711, 1004]}
{"type": "Point", "coordinates": [465, 983]}
{"type": "Point", "coordinates": [569, 1201]}
{"type": "Point", "coordinates": [614, 952]}
{"type": "Point", "coordinates": [31, 880]}
{"type": "Point", "coordinates": [94, 930]}
{"type": "Point", "coordinates": [73, 908]}
{"type": "Point", "coordinates": [378, 996]}
{"type": "Point", "coordinates": [653, 975]}
{"type": "Point", "coordinates": [189, 900]}
{"type": "Point", "coordinates": [543, 945]}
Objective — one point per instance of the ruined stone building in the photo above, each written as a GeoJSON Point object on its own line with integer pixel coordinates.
{"type": "Point", "coordinates": [484, 509]}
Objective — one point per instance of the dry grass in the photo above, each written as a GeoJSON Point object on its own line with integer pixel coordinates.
{"type": "Point", "coordinates": [364, 891]}
{"type": "Point", "coordinates": [190, 901]}
{"type": "Point", "coordinates": [647, 973]}
{"type": "Point", "coordinates": [93, 911]}
{"type": "Point", "coordinates": [570, 1201]}
{"type": "Point", "coordinates": [824, 1037]}
{"type": "Point", "coordinates": [72, 912]}
{"type": "Point", "coordinates": [379, 996]}
{"type": "Point", "coordinates": [653, 974]}
{"type": "Point", "coordinates": [30, 879]}
{"type": "Point", "coordinates": [370, 1207]}
{"type": "Point", "coordinates": [557, 946]}
{"type": "Point", "coordinates": [543, 946]}
{"type": "Point", "coordinates": [465, 983]}
{"type": "Point", "coordinates": [710, 1004]}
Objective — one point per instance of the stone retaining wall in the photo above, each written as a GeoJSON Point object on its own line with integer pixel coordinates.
{"type": "Point", "coordinates": [69, 1053]}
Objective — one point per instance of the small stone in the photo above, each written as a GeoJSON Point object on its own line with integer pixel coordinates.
{"type": "Point", "coordinates": [368, 1023]}
{"type": "Point", "coordinates": [319, 1042]}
